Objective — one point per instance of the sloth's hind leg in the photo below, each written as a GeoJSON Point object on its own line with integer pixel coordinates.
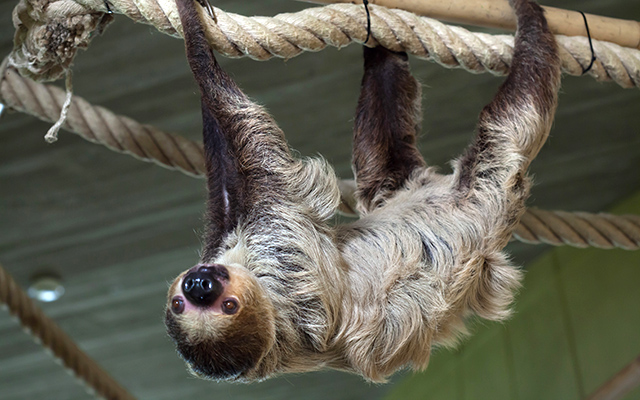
{"type": "Point", "coordinates": [386, 123]}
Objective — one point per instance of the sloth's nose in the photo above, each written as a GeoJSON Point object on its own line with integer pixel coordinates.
{"type": "Point", "coordinates": [201, 287]}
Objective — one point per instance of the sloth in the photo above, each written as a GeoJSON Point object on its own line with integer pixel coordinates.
{"type": "Point", "coordinates": [279, 288]}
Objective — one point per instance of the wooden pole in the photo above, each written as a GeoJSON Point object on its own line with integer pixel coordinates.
{"type": "Point", "coordinates": [620, 384]}
{"type": "Point", "coordinates": [498, 14]}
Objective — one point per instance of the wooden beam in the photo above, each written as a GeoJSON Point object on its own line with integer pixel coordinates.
{"type": "Point", "coordinates": [498, 14]}
{"type": "Point", "coordinates": [620, 384]}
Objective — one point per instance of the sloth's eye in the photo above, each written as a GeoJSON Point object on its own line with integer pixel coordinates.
{"type": "Point", "coordinates": [177, 305]}
{"type": "Point", "coordinates": [229, 306]}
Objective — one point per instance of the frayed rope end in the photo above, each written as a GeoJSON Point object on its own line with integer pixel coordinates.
{"type": "Point", "coordinates": [52, 134]}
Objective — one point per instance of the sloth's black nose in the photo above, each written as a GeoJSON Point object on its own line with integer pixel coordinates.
{"type": "Point", "coordinates": [201, 287]}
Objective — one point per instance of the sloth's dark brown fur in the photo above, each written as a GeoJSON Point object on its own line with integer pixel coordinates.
{"type": "Point", "coordinates": [372, 296]}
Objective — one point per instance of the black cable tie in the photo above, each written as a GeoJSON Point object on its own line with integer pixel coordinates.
{"type": "Point", "coordinates": [366, 8]}
{"type": "Point", "coordinates": [593, 54]}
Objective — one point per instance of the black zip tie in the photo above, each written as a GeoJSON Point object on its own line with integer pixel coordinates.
{"type": "Point", "coordinates": [106, 4]}
{"type": "Point", "coordinates": [366, 8]}
{"type": "Point", "coordinates": [207, 5]}
{"type": "Point", "coordinates": [211, 12]}
{"type": "Point", "coordinates": [593, 54]}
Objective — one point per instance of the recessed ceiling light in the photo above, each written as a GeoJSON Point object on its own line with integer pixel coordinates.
{"type": "Point", "coordinates": [46, 288]}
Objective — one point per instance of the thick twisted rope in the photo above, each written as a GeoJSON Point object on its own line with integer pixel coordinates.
{"type": "Point", "coordinates": [99, 125]}
{"type": "Point", "coordinates": [579, 229]}
{"type": "Point", "coordinates": [147, 143]}
{"type": "Point", "coordinates": [287, 35]}
{"type": "Point", "coordinates": [499, 14]}
{"type": "Point", "coordinates": [48, 334]}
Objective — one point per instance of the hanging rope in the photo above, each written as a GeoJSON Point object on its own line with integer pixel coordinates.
{"type": "Point", "coordinates": [99, 125]}
{"type": "Point", "coordinates": [48, 334]}
{"type": "Point", "coordinates": [48, 34]}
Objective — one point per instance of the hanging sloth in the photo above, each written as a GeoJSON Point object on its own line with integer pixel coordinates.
{"type": "Point", "coordinates": [278, 289]}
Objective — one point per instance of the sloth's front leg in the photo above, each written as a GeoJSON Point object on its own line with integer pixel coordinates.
{"type": "Point", "coordinates": [244, 148]}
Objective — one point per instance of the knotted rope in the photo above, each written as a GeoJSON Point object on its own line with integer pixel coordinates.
{"type": "Point", "coordinates": [287, 35]}
{"type": "Point", "coordinates": [123, 134]}
{"type": "Point", "coordinates": [49, 34]}
{"type": "Point", "coordinates": [48, 334]}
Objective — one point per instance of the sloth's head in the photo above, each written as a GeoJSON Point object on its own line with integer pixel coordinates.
{"type": "Point", "coordinates": [221, 321]}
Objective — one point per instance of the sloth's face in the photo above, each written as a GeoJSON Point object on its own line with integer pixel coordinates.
{"type": "Point", "coordinates": [205, 288]}
{"type": "Point", "coordinates": [220, 320]}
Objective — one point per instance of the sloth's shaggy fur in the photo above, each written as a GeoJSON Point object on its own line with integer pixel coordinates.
{"type": "Point", "coordinates": [374, 295]}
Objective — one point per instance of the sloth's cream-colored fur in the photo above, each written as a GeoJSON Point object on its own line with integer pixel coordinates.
{"type": "Point", "coordinates": [374, 295]}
